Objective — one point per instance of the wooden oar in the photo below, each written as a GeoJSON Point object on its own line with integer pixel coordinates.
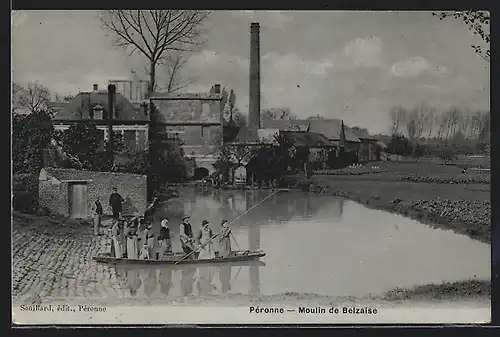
{"type": "Point", "coordinates": [195, 250]}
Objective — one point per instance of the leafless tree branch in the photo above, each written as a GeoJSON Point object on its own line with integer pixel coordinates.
{"type": "Point", "coordinates": [155, 33]}
{"type": "Point", "coordinates": [478, 22]}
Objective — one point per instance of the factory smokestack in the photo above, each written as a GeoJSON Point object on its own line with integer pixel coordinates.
{"type": "Point", "coordinates": [254, 92]}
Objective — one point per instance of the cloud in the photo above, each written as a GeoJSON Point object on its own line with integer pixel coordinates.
{"type": "Point", "coordinates": [270, 19]}
{"type": "Point", "coordinates": [365, 52]}
{"type": "Point", "coordinates": [415, 66]}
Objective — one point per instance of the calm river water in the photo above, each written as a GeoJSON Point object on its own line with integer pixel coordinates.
{"type": "Point", "coordinates": [314, 244]}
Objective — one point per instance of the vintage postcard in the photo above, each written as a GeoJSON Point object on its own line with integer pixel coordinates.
{"type": "Point", "coordinates": [236, 167]}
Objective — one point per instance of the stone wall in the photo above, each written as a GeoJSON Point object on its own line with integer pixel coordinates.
{"type": "Point", "coordinates": [197, 123]}
{"type": "Point", "coordinates": [132, 187]}
{"type": "Point", "coordinates": [53, 189]}
{"type": "Point", "coordinates": [189, 110]}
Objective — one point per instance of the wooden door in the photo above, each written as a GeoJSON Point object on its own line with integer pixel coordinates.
{"type": "Point", "coordinates": [77, 200]}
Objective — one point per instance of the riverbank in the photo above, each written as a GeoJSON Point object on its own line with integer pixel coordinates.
{"type": "Point", "coordinates": [455, 201]}
{"type": "Point", "coordinates": [52, 257]}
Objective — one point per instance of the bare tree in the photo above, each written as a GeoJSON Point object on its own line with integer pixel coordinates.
{"type": "Point", "coordinates": [17, 93]}
{"type": "Point", "coordinates": [173, 65]}
{"type": "Point", "coordinates": [277, 113]}
{"type": "Point", "coordinates": [429, 122]}
{"type": "Point", "coordinates": [412, 126]}
{"type": "Point", "coordinates": [398, 117]}
{"type": "Point", "coordinates": [423, 113]}
{"type": "Point", "coordinates": [34, 98]}
{"type": "Point", "coordinates": [478, 22]}
{"type": "Point", "coordinates": [442, 122]}
{"type": "Point", "coordinates": [155, 33]}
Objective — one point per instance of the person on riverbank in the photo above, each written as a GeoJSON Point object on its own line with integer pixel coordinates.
{"type": "Point", "coordinates": [97, 208]}
{"type": "Point", "coordinates": [186, 236]}
{"type": "Point", "coordinates": [148, 212]}
{"type": "Point", "coordinates": [116, 242]}
{"type": "Point", "coordinates": [115, 202]}
{"type": "Point", "coordinates": [225, 239]}
{"type": "Point", "coordinates": [205, 240]}
{"type": "Point", "coordinates": [133, 240]}
{"type": "Point", "coordinates": [149, 241]}
{"type": "Point", "coordinates": [164, 240]}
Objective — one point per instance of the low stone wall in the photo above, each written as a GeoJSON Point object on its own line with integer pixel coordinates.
{"type": "Point", "coordinates": [53, 192]}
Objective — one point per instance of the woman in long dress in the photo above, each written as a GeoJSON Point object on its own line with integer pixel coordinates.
{"type": "Point", "coordinates": [133, 241]}
{"type": "Point", "coordinates": [123, 236]}
{"type": "Point", "coordinates": [225, 240]}
{"type": "Point", "coordinates": [115, 238]}
{"type": "Point", "coordinates": [164, 240]}
{"type": "Point", "coordinates": [149, 241]}
{"type": "Point", "coordinates": [205, 237]}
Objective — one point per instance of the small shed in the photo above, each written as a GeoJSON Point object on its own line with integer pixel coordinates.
{"type": "Point", "coordinates": [72, 192]}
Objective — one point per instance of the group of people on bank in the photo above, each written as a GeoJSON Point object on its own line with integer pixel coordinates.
{"type": "Point", "coordinates": [129, 242]}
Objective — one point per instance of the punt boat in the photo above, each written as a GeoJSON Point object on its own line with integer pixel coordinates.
{"type": "Point", "coordinates": [236, 256]}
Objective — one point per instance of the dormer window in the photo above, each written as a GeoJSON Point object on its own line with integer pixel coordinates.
{"type": "Point", "coordinates": [98, 109]}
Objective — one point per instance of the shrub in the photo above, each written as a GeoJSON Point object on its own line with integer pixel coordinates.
{"type": "Point", "coordinates": [25, 193]}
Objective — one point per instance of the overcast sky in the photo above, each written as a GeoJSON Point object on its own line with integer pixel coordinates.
{"type": "Point", "coordinates": [349, 65]}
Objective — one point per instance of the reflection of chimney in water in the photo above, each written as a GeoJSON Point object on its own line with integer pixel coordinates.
{"type": "Point", "coordinates": [254, 280]}
{"type": "Point", "coordinates": [254, 88]}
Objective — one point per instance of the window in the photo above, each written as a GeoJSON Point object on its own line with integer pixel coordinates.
{"type": "Point", "coordinates": [97, 110]}
{"type": "Point", "coordinates": [173, 135]}
{"type": "Point", "coordinates": [129, 139]}
{"type": "Point", "coordinates": [141, 144]}
{"type": "Point", "coordinates": [205, 109]}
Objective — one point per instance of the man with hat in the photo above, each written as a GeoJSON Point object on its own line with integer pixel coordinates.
{"type": "Point", "coordinates": [164, 239]}
{"type": "Point", "coordinates": [186, 236]}
{"type": "Point", "coordinates": [204, 238]}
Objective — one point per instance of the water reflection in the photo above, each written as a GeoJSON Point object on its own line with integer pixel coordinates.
{"type": "Point", "coordinates": [317, 244]}
{"type": "Point", "coordinates": [217, 205]}
{"type": "Point", "coordinates": [154, 282]}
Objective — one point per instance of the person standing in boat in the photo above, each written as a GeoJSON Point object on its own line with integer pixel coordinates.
{"type": "Point", "coordinates": [115, 238]}
{"type": "Point", "coordinates": [225, 240]}
{"type": "Point", "coordinates": [186, 236]}
{"type": "Point", "coordinates": [97, 208]}
{"type": "Point", "coordinates": [123, 235]}
{"type": "Point", "coordinates": [133, 241]}
{"type": "Point", "coordinates": [149, 241]}
{"type": "Point", "coordinates": [164, 239]}
{"type": "Point", "coordinates": [204, 239]}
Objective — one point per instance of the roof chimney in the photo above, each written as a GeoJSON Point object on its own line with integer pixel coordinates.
{"type": "Point", "coordinates": [95, 87]}
{"type": "Point", "coordinates": [217, 89]}
{"type": "Point", "coordinates": [254, 92]}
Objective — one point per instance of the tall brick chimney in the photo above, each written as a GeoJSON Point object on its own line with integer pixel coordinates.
{"type": "Point", "coordinates": [254, 89]}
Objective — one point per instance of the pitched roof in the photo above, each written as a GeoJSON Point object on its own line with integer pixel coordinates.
{"type": "Point", "coordinates": [310, 139]}
{"type": "Point", "coordinates": [246, 135]}
{"type": "Point", "coordinates": [330, 128]}
{"type": "Point", "coordinates": [185, 96]}
{"type": "Point", "coordinates": [78, 107]}
{"type": "Point", "coordinates": [361, 134]}
{"type": "Point", "coordinates": [73, 174]}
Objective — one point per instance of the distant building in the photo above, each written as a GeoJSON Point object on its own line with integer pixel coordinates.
{"type": "Point", "coordinates": [369, 149]}
{"type": "Point", "coordinates": [196, 120]}
{"type": "Point", "coordinates": [72, 192]}
{"type": "Point", "coordinates": [130, 120]}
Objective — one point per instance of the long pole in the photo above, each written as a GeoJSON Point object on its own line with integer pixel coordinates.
{"type": "Point", "coordinates": [248, 210]}
{"type": "Point", "coordinates": [111, 98]}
